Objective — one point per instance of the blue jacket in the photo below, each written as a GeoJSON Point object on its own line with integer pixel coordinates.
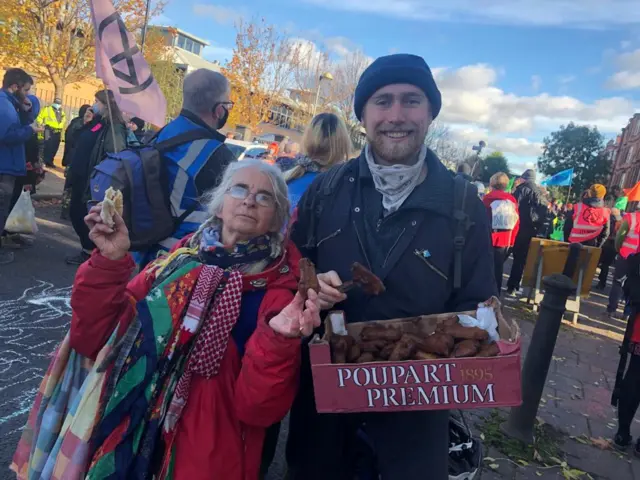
{"type": "Point", "coordinates": [13, 136]}
{"type": "Point", "coordinates": [204, 161]}
{"type": "Point", "coordinates": [298, 186]}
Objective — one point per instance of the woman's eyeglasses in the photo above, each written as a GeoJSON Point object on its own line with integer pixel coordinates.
{"type": "Point", "coordinates": [241, 192]}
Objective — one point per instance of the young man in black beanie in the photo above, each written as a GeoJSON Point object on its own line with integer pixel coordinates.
{"type": "Point", "coordinates": [392, 210]}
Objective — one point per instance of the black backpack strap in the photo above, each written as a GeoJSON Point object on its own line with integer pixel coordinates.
{"type": "Point", "coordinates": [462, 225]}
{"type": "Point", "coordinates": [182, 138]}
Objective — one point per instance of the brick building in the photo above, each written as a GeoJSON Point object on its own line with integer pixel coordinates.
{"type": "Point", "coordinates": [625, 152]}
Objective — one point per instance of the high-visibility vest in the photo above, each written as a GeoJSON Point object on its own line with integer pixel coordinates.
{"type": "Point", "coordinates": [632, 240]}
{"type": "Point", "coordinates": [49, 119]}
{"type": "Point", "coordinates": [588, 223]}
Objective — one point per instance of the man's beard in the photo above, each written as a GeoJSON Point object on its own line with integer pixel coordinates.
{"type": "Point", "coordinates": [394, 154]}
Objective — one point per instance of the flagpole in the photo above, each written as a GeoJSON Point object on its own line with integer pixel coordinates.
{"type": "Point", "coordinates": [144, 28]}
{"type": "Point", "coordinates": [113, 131]}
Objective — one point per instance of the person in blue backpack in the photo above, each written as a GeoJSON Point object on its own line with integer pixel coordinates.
{"type": "Point", "coordinates": [106, 133]}
{"type": "Point", "coordinates": [325, 143]}
{"type": "Point", "coordinates": [205, 106]}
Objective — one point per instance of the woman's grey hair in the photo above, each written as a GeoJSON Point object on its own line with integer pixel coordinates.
{"type": "Point", "coordinates": [202, 89]}
{"type": "Point", "coordinates": [214, 200]}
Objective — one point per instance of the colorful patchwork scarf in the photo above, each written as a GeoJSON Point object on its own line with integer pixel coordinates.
{"type": "Point", "coordinates": [182, 328]}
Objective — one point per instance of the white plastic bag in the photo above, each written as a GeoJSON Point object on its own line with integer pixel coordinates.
{"type": "Point", "coordinates": [486, 320]}
{"type": "Point", "coordinates": [22, 218]}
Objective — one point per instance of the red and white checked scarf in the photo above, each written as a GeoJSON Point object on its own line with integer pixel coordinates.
{"type": "Point", "coordinates": [211, 343]}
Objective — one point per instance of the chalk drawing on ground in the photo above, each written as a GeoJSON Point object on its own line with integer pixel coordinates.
{"type": "Point", "coordinates": [31, 326]}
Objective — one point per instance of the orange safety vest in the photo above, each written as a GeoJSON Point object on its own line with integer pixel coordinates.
{"type": "Point", "coordinates": [588, 223]}
{"type": "Point", "coordinates": [631, 242]}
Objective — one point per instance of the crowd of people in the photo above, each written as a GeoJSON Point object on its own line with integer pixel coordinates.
{"type": "Point", "coordinates": [205, 349]}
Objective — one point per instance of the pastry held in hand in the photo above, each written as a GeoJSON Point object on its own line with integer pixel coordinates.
{"type": "Point", "coordinates": [363, 278]}
{"type": "Point", "coordinates": [308, 278]}
{"type": "Point", "coordinates": [111, 205]}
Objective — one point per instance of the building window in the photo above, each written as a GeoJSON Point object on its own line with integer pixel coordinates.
{"type": "Point", "coordinates": [189, 45]}
{"type": "Point", "coordinates": [196, 48]}
{"type": "Point", "coordinates": [630, 154]}
{"type": "Point", "coordinates": [181, 41]}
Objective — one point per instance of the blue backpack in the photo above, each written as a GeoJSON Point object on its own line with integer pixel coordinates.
{"type": "Point", "coordinates": [141, 175]}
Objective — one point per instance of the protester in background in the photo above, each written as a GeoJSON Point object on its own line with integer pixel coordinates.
{"type": "Point", "coordinates": [608, 254]}
{"type": "Point", "coordinates": [325, 143]}
{"type": "Point", "coordinates": [392, 210]}
{"type": "Point", "coordinates": [86, 117]}
{"type": "Point", "coordinates": [627, 243]}
{"type": "Point", "coordinates": [629, 387]}
{"type": "Point", "coordinates": [590, 224]}
{"type": "Point", "coordinates": [206, 105]}
{"type": "Point", "coordinates": [70, 134]}
{"type": "Point", "coordinates": [621, 198]}
{"type": "Point", "coordinates": [480, 188]}
{"type": "Point", "coordinates": [105, 134]}
{"type": "Point", "coordinates": [504, 220]}
{"type": "Point", "coordinates": [289, 151]}
{"type": "Point", "coordinates": [531, 207]}
{"type": "Point", "coordinates": [34, 176]}
{"type": "Point", "coordinates": [53, 119]}
{"type": "Point", "coordinates": [16, 84]}
{"type": "Point", "coordinates": [464, 171]}
{"type": "Point", "coordinates": [137, 127]}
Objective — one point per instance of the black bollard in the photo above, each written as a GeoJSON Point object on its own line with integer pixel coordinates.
{"type": "Point", "coordinates": [521, 420]}
{"type": "Point", "coordinates": [572, 259]}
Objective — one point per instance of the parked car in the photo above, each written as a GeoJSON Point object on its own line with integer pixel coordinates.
{"type": "Point", "coordinates": [248, 150]}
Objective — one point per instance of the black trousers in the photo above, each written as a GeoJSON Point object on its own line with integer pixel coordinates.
{"type": "Point", "coordinates": [77, 212]}
{"type": "Point", "coordinates": [500, 255]}
{"type": "Point", "coordinates": [406, 445]}
{"type": "Point", "coordinates": [51, 145]}
{"type": "Point", "coordinates": [629, 396]}
{"type": "Point", "coordinates": [520, 250]}
{"type": "Point", "coordinates": [607, 257]}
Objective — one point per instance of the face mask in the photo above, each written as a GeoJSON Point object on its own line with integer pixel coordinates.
{"type": "Point", "coordinates": [56, 106]}
{"type": "Point", "coordinates": [96, 108]}
{"type": "Point", "coordinates": [223, 120]}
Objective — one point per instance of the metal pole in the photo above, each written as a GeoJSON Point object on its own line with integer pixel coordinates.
{"type": "Point", "coordinates": [571, 263]}
{"type": "Point", "coordinates": [521, 420]}
{"type": "Point", "coordinates": [315, 105]}
{"type": "Point", "coordinates": [144, 28]}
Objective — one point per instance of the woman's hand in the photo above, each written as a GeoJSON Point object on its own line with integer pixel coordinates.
{"type": "Point", "coordinates": [329, 295]}
{"type": "Point", "coordinates": [113, 243]}
{"type": "Point", "coordinates": [299, 318]}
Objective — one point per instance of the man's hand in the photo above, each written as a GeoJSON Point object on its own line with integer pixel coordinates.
{"type": "Point", "coordinates": [329, 295]}
{"type": "Point", "coordinates": [36, 127]}
{"type": "Point", "coordinates": [299, 318]}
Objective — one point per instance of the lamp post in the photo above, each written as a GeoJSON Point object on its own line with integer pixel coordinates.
{"type": "Point", "coordinates": [477, 148]}
{"type": "Point", "coordinates": [324, 76]}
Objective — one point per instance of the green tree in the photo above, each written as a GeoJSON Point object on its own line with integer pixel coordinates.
{"type": "Point", "coordinates": [578, 147]}
{"type": "Point", "coordinates": [492, 164]}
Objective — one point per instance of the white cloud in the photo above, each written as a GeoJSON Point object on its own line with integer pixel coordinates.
{"type": "Point", "coordinates": [566, 79]}
{"type": "Point", "coordinates": [579, 14]}
{"type": "Point", "coordinates": [628, 75]}
{"type": "Point", "coordinates": [518, 146]}
{"type": "Point", "coordinates": [339, 46]}
{"type": "Point", "coordinates": [216, 52]}
{"type": "Point", "coordinates": [536, 82]}
{"type": "Point", "coordinates": [471, 97]}
{"type": "Point", "coordinates": [221, 15]}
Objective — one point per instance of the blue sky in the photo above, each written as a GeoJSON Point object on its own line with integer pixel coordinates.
{"type": "Point", "coordinates": [511, 71]}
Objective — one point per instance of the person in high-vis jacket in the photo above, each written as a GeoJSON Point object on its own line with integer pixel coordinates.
{"type": "Point", "coordinates": [590, 224]}
{"type": "Point", "coordinates": [627, 243]}
{"type": "Point", "coordinates": [54, 120]}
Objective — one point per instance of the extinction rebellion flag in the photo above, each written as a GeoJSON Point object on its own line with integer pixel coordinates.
{"type": "Point", "coordinates": [120, 64]}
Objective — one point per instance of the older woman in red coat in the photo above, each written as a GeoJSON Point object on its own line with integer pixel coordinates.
{"type": "Point", "coordinates": [208, 338]}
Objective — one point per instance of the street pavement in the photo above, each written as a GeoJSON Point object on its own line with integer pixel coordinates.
{"type": "Point", "coordinates": [35, 313]}
{"type": "Point", "coordinates": [34, 317]}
